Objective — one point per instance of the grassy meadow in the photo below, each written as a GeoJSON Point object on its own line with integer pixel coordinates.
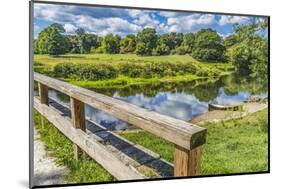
{"type": "Point", "coordinates": [121, 70]}
{"type": "Point", "coordinates": [233, 146]}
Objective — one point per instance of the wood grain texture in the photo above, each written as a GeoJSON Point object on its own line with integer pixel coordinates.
{"type": "Point", "coordinates": [93, 148]}
{"type": "Point", "coordinates": [43, 95]}
{"type": "Point", "coordinates": [187, 162]}
{"type": "Point", "coordinates": [78, 122]}
{"type": "Point", "coordinates": [181, 133]}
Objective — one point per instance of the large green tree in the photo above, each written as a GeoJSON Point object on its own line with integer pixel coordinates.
{"type": "Point", "coordinates": [208, 46]}
{"type": "Point", "coordinates": [52, 41]}
{"type": "Point", "coordinates": [146, 41]}
{"type": "Point", "coordinates": [189, 39]}
{"type": "Point", "coordinates": [250, 54]}
{"type": "Point", "coordinates": [86, 40]}
{"type": "Point", "coordinates": [128, 44]}
{"type": "Point", "coordinates": [230, 41]}
{"type": "Point", "coordinates": [111, 44]}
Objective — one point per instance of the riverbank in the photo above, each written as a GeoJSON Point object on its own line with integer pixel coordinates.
{"type": "Point", "coordinates": [121, 70]}
{"type": "Point", "coordinates": [223, 115]}
{"type": "Point", "coordinates": [123, 81]}
{"type": "Point", "coordinates": [233, 146]}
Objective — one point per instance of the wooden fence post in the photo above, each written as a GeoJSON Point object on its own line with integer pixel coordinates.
{"type": "Point", "coordinates": [187, 162]}
{"type": "Point", "coordinates": [43, 95]}
{"type": "Point", "coordinates": [78, 121]}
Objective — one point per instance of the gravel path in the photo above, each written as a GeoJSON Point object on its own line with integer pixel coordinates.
{"type": "Point", "coordinates": [219, 115]}
{"type": "Point", "coordinates": [46, 172]}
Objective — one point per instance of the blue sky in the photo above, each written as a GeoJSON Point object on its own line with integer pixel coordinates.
{"type": "Point", "coordinates": [102, 21]}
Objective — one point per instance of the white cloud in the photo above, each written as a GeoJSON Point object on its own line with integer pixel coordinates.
{"type": "Point", "coordinates": [69, 28]}
{"type": "Point", "coordinates": [224, 20]}
{"type": "Point", "coordinates": [190, 23]}
{"type": "Point", "coordinates": [107, 25]}
{"type": "Point", "coordinates": [224, 35]}
{"type": "Point", "coordinates": [124, 21]}
{"type": "Point", "coordinates": [146, 20]}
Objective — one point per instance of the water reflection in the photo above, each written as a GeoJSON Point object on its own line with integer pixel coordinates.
{"type": "Point", "coordinates": [182, 100]}
{"type": "Point", "coordinates": [179, 105]}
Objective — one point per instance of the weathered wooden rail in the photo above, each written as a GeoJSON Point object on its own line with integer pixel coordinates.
{"type": "Point", "coordinates": [187, 138]}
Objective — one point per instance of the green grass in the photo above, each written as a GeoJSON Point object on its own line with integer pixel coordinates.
{"type": "Point", "coordinates": [234, 146]}
{"type": "Point", "coordinates": [123, 81]}
{"type": "Point", "coordinates": [58, 146]}
{"type": "Point", "coordinates": [46, 63]}
{"type": "Point", "coordinates": [51, 61]}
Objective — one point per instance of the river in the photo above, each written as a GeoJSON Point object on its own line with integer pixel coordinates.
{"type": "Point", "coordinates": [181, 100]}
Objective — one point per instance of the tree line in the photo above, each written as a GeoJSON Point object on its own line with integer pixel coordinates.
{"type": "Point", "coordinates": [246, 48]}
{"type": "Point", "coordinates": [205, 45]}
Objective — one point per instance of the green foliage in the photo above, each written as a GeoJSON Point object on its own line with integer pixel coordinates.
{"type": "Point", "coordinates": [65, 70]}
{"type": "Point", "coordinates": [181, 50]}
{"type": "Point", "coordinates": [250, 54]}
{"type": "Point", "coordinates": [129, 65]}
{"type": "Point", "coordinates": [230, 41]}
{"type": "Point", "coordinates": [146, 41]}
{"type": "Point", "coordinates": [189, 39]}
{"type": "Point", "coordinates": [156, 69]}
{"type": "Point", "coordinates": [111, 44]}
{"type": "Point", "coordinates": [130, 69]}
{"type": "Point", "coordinates": [233, 146]}
{"type": "Point", "coordinates": [208, 46]}
{"type": "Point", "coordinates": [128, 44]}
{"type": "Point", "coordinates": [85, 41]}
{"type": "Point", "coordinates": [141, 49]}
{"type": "Point", "coordinates": [51, 41]}
{"type": "Point", "coordinates": [85, 71]}
{"type": "Point", "coordinates": [161, 49]}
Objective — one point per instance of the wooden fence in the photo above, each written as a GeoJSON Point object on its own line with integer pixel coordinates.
{"type": "Point", "coordinates": [186, 137]}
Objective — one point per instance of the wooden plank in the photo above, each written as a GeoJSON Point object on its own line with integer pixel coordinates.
{"type": "Point", "coordinates": [145, 161]}
{"type": "Point", "coordinates": [78, 122]}
{"type": "Point", "coordinates": [187, 162]}
{"type": "Point", "coordinates": [92, 147]}
{"type": "Point", "coordinates": [43, 95]}
{"type": "Point", "coordinates": [179, 132]}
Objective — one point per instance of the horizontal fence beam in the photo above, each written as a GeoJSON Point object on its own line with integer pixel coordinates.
{"type": "Point", "coordinates": [181, 133]}
{"type": "Point", "coordinates": [93, 148]}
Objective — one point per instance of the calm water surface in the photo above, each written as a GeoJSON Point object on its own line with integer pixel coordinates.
{"type": "Point", "coordinates": [181, 100]}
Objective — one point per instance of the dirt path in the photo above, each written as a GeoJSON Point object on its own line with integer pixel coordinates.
{"type": "Point", "coordinates": [46, 172]}
{"type": "Point", "coordinates": [218, 115]}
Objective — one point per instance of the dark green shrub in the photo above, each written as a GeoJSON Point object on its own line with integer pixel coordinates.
{"type": "Point", "coordinates": [181, 50]}
{"type": "Point", "coordinates": [173, 51]}
{"type": "Point", "coordinates": [65, 70]}
{"type": "Point", "coordinates": [130, 69]}
{"type": "Point", "coordinates": [186, 68]}
{"type": "Point", "coordinates": [85, 71]}
{"type": "Point", "coordinates": [96, 72]}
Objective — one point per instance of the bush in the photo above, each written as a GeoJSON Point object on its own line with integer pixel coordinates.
{"type": "Point", "coordinates": [86, 71]}
{"type": "Point", "coordinates": [96, 72]}
{"type": "Point", "coordinates": [205, 72]}
{"type": "Point", "coordinates": [181, 50]}
{"type": "Point", "coordinates": [173, 51]}
{"type": "Point", "coordinates": [130, 69]}
{"type": "Point", "coordinates": [65, 70]}
{"type": "Point", "coordinates": [186, 68]}
{"type": "Point", "coordinates": [161, 49]}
